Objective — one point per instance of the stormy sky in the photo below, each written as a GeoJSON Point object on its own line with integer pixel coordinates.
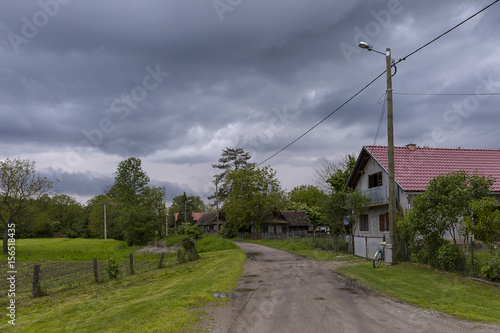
{"type": "Point", "coordinates": [87, 84]}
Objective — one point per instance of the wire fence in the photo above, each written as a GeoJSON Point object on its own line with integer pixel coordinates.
{"type": "Point", "coordinates": [58, 276]}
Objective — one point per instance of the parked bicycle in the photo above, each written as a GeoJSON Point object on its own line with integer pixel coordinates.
{"type": "Point", "coordinates": [379, 255]}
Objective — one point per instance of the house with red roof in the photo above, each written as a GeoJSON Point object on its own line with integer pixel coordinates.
{"type": "Point", "coordinates": [195, 216]}
{"type": "Point", "coordinates": [414, 168]}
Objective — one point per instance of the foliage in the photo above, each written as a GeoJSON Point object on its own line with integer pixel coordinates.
{"type": "Point", "coordinates": [130, 182]}
{"type": "Point", "coordinates": [491, 268]}
{"type": "Point", "coordinates": [314, 213]}
{"type": "Point", "coordinates": [191, 230]}
{"type": "Point", "coordinates": [441, 207]}
{"type": "Point", "coordinates": [338, 179]}
{"type": "Point", "coordinates": [138, 225]}
{"type": "Point", "coordinates": [484, 223]}
{"type": "Point", "coordinates": [112, 269]}
{"type": "Point", "coordinates": [342, 209]}
{"type": "Point", "coordinates": [232, 159]}
{"type": "Point", "coordinates": [96, 218]}
{"type": "Point", "coordinates": [255, 192]}
{"type": "Point", "coordinates": [332, 171]}
{"type": "Point", "coordinates": [210, 243]}
{"type": "Point", "coordinates": [191, 203]}
{"type": "Point", "coordinates": [308, 198]}
{"type": "Point", "coordinates": [449, 258]}
{"type": "Point", "coordinates": [20, 185]}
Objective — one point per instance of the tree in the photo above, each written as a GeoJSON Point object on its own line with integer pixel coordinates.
{"type": "Point", "coordinates": [323, 176]}
{"type": "Point", "coordinates": [484, 223]}
{"type": "Point", "coordinates": [20, 185]}
{"type": "Point", "coordinates": [343, 208]}
{"type": "Point", "coordinates": [338, 180]}
{"type": "Point", "coordinates": [442, 207]}
{"type": "Point", "coordinates": [130, 181]}
{"type": "Point", "coordinates": [308, 198]}
{"type": "Point", "coordinates": [193, 203]}
{"type": "Point", "coordinates": [233, 159]}
{"type": "Point", "coordinates": [255, 192]}
{"type": "Point", "coordinates": [96, 217]}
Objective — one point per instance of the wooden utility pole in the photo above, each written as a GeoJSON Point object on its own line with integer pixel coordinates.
{"type": "Point", "coordinates": [390, 149]}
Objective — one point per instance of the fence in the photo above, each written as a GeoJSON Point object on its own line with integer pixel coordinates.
{"type": "Point", "coordinates": [56, 276]}
{"type": "Point", "coordinates": [317, 240]}
{"type": "Point", "coordinates": [366, 246]}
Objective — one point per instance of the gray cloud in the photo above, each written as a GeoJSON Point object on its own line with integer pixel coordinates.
{"type": "Point", "coordinates": [77, 79]}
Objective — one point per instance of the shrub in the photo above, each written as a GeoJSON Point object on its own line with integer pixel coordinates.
{"type": "Point", "coordinates": [191, 230]}
{"type": "Point", "coordinates": [449, 257]}
{"type": "Point", "coordinates": [491, 268]}
{"type": "Point", "coordinates": [112, 269]}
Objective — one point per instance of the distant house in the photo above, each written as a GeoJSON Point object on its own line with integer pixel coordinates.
{"type": "Point", "coordinates": [195, 216]}
{"type": "Point", "coordinates": [208, 222]}
{"type": "Point", "coordinates": [286, 221]}
{"type": "Point", "coordinates": [414, 169]}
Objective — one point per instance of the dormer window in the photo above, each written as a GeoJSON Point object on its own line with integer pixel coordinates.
{"type": "Point", "coordinates": [375, 180]}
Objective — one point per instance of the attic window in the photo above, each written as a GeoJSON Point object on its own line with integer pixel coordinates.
{"type": "Point", "coordinates": [375, 180]}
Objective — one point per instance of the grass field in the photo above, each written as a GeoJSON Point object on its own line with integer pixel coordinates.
{"type": "Point", "coordinates": [431, 289]}
{"type": "Point", "coordinates": [157, 300]}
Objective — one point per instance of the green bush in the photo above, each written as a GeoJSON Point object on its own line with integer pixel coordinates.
{"type": "Point", "coordinates": [211, 244]}
{"type": "Point", "coordinates": [112, 269]}
{"type": "Point", "coordinates": [449, 257]}
{"type": "Point", "coordinates": [191, 230]}
{"type": "Point", "coordinates": [491, 268]}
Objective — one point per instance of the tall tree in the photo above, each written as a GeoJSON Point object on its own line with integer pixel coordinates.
{"type": "Point", "coordinates": [254, 193]}
{"type": "Point", "coordinates": [232, 159]}
{"type": "Point", "coordinates": [331, 174]}
{"type": "Point", "coordinates": [130, 181]}
{"type": "Point", "coordinates": [193, 203]}
{"type": "Point", "coordinates": [20, 185]}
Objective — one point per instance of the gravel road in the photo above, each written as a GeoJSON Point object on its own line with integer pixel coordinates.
{"type": "Point", "coordinates": [283, 292]}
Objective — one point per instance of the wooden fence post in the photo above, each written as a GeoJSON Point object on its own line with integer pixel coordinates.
{"type": "Point", "coordinates": [94, 265]}
{"type": "Point", "coordinates": [161, 260]}
{"type": "Point", "coordinates": [35, 291]}
{"type": "Point", "coordinates": [131, 256]}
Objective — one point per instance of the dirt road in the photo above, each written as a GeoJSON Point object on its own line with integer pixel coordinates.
{"type": "Point", "coordinates": [282, 292]}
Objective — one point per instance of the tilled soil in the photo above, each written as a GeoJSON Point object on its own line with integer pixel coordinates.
{"type": "Point", "coordinates": [283, 292]}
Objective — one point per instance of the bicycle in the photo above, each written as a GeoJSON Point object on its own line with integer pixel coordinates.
{"type": "Point", "coordinates": [379, 255]}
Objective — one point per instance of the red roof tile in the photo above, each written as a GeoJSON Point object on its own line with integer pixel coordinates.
{"type": "Point", "coordinates": [195, 216]}
{"type": "Point", "coordinates": [414, 170]}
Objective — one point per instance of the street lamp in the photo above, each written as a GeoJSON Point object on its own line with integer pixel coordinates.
{"type": "Point", "coordinates": [390, 147]}
{"type": "Point", "coordinates": [105, 231]}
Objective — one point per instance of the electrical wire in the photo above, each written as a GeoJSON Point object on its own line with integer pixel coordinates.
{"type": "Point", "coordinates": [381, 118]}
{"type": "Point", "coordinates": [446, 32]}
{"type": "Point", "coordinates": [322, 120]}
{"type": "Point", "coordinates": [456, 94]}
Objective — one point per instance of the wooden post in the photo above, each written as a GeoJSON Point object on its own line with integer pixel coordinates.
{"type": "Point", "coordinates": [161, 260]}
{"type": "Point", "coordinates": [94, 264]}
{"type": "Point", "coordinates": [35, 291]}
{"type": "Point", "coordinates": [131, 256]}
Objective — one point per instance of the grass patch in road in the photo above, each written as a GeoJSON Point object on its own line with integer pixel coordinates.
{"type": "Point", "coordinates": [305, 250]}
{"type": "Point", "coordinates": [431, 289]}
{"type": "Point", "coordinates": [160, 300]}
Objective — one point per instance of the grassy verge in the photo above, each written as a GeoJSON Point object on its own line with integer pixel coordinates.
{"type": "Point", "coordinates": [305, 250]}
{"type": "Point", "coordinates": [431, 289]}
{"type": "Point", "coordinates": [159, 300]}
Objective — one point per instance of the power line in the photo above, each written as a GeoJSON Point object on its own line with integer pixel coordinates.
{"type": "Point", "coordinates": [456, 94]}
{"type": "Point", "coordinates": [322, 120]}
{"type": "Point", "coordinates": [446, 32]}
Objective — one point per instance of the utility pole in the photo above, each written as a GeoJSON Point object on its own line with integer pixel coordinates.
{"type": "Point", "coordinates": [390, 149]}
{"type": "Point", "coordinates": [217, 199]}
{"type": "Point", "coordinates": [105, 231]}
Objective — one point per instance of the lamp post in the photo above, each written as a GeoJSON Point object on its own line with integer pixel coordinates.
{"type": "Point", "coordinates": [105, 231]}
{"type": "Point", "coordinates": [390, 148]}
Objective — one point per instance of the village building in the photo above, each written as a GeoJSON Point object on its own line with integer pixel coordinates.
{"type": "Point", "coordinates": [415, 167]}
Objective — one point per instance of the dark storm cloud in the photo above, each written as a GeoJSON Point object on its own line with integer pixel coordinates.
{"type": "Point", "coordinates": [181, 80]}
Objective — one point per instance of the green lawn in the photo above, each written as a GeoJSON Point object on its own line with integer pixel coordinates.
{"type": "Point", "coordinates": [431, 289]}
{"type": "Point", "coordinates": [159, 300]}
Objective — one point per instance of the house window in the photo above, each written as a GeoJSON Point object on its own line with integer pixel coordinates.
{"type": "Point", "coordinates": [363, 223]}
{"type": "Point", "coordinates": [375, 180]}
{"type": "Point", "coordinates": [270, 229]}
{"type": "Point", "coordinates": [278, 229]}
{"type": "Point", "coordinates": [383, 220]}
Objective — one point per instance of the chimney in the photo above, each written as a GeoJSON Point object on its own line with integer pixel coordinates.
{"type": "Point", "coordinates": [411, 146]}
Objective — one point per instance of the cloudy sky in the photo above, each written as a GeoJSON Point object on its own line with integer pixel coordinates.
{"type": "Point", "coordinates": [87, 84]}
